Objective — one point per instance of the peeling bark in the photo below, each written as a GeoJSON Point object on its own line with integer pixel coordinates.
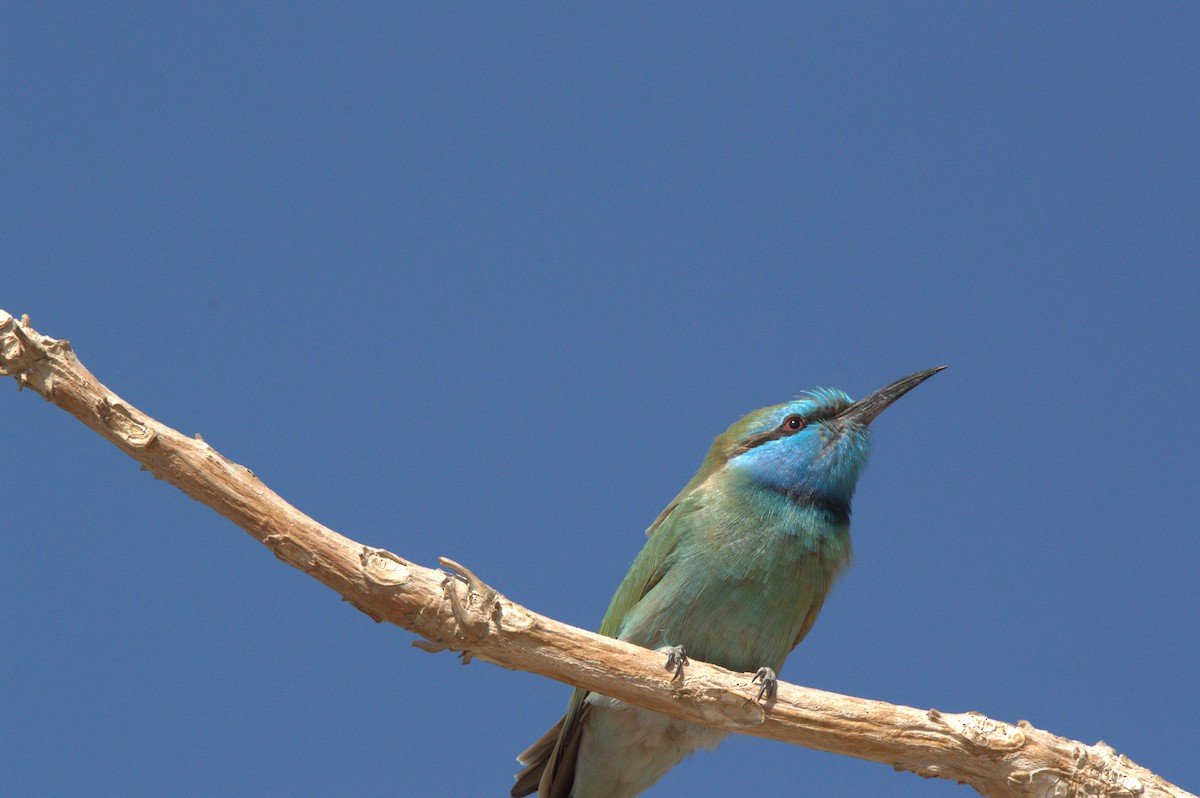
{"type": "Point", "coordinates": [454, 610]}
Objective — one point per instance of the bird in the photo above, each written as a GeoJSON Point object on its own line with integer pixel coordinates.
{"type": "Point", "coordinates": [734, 573]}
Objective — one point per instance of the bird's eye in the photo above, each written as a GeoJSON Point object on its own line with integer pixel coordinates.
{"type": "Point", "coordinates": [793, 423]}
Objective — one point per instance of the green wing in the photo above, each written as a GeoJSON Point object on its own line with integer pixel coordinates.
{"type": "Point", "coordinates": [716, 458]}
{"type": "Point", "coordinates": [813, 611]}
{"type": "Point", "coordinates": [650, 564]}
{"type": "Point", "coordinates": [553, 768]}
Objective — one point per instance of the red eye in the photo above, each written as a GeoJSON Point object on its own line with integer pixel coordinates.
{"type": "Point", "coordinates": [793, 423]}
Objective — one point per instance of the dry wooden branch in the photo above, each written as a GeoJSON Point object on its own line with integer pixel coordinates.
{"type": "Point", "coordinates": [457, 611]}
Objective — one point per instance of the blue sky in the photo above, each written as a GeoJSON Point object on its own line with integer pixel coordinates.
{"type": "Point", "coordinates": [485, 281]}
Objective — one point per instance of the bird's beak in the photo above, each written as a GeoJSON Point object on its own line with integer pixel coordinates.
{"type": "Point", "coordinates": [865, 410]}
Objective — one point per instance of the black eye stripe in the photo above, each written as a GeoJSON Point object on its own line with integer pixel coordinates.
{"type": "Point", "coordinates": [782, 431]}
{"type": "Point", "coordinates": [818, 414]}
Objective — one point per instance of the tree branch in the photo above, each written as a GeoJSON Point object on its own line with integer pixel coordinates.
{"type": "Point", "coordinates": [457, 611]}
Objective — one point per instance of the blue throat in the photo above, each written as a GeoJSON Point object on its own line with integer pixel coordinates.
{"type": "Point", "coordinates": [817, 468]}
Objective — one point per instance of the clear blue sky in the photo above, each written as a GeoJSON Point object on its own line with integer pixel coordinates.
{"type": "Point", "coordinates": [485, 281]}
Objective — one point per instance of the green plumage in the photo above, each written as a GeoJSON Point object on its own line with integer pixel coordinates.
{"type": "Point", "coordinates": [735, 571]}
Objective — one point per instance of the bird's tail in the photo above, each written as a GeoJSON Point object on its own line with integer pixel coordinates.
{"type": "Point", "coordinates": [550, 762]}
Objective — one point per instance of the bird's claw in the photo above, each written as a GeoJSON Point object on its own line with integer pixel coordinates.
{"type": "Point", "coordinates": [770, 683]}
{"type": "Point", "coordinates": [676, 660]}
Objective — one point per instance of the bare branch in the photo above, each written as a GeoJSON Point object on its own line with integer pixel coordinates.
{"type": "Point", "coordinates": [455, 610]}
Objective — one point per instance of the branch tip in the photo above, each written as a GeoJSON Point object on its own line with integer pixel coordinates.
{"type": "Point", "coordinates": [996, 759]}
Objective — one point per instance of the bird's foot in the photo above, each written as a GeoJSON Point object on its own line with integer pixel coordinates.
{"type": "Point", "coordinates": [676, 659]}
{"type": "Point", "coordinates": [770, 683]}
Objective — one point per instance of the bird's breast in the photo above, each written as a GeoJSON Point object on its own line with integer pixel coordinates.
{"type": "Point", "coordinates": [741, 583]}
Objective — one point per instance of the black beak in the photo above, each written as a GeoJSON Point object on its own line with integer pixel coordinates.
{"type": "Point", "coordinates": [865, 410]}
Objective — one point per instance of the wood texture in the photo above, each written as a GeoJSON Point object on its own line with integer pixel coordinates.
{"type": "Point", "coordinates": [454, 610]}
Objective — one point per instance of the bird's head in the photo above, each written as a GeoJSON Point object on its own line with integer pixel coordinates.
{"type": "Point", "coordinates": [813, 447]}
